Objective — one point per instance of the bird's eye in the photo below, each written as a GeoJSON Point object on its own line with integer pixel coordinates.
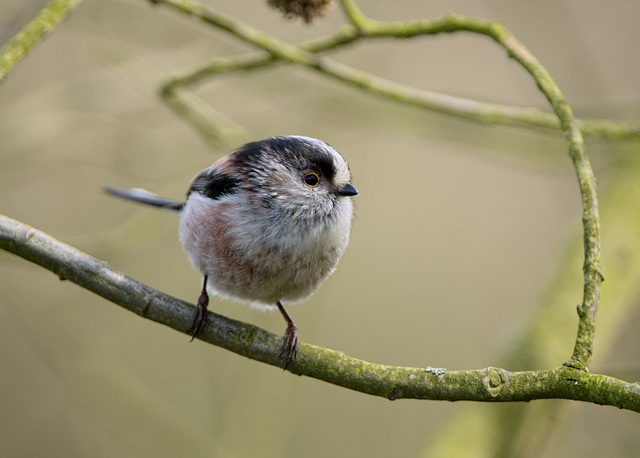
{"type": "Point", "coordinates": [311, 179]}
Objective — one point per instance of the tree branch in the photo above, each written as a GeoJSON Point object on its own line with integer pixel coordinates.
{"type": "Point", "coordinates": [366, 27]}
{"type": "Point", "coordinates": [570, 381]}
{"type": "Point", "coordinates": [363, 28]}
{"type": "Point", "coordinates": [393, 382]}
{"type": "Point", "coordinates": [41, 24]}
{"type": "Point", "coordinates": [526, 431]}
{"type": "Point", "coordinates": [214, 126]}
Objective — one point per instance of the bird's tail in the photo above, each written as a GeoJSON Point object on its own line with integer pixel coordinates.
{"type": "Point", "coordinates": [148, 198]}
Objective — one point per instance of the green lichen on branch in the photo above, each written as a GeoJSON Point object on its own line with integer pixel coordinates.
{"type": "Point", "coordinates": [31, 34]}
{"type": "Point", "coordinates": [392, 382]}
{"type": "Point", "coordinates": [571, 381]}
{"type": "Point", "coordinates": [362, 28]}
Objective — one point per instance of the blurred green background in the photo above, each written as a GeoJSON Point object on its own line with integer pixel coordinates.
{"type": "Point", "coordinates": [457, 228]}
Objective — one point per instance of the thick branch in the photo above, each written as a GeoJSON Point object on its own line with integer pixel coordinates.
{"type": "Point", "coordinates": [393, 382]}
{"type": "Point", "coordinates": [41, 24]}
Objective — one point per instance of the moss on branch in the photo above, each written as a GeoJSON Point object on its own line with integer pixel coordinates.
{"type": "Point", "coordinates": [31, 34]}
{"type": "Point", "coordinates": [392, 382]}
{"type": "Point", "coordinates": [362, 28]}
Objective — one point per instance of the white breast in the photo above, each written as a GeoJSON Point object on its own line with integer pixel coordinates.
{"type": "Point", "coordinates": [250, 258]}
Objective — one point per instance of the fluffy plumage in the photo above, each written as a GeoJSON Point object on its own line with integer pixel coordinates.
{"type": "Point", "coordinates": [265, 224]}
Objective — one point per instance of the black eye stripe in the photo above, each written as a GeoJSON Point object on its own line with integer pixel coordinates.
{"type": "Point", "coordinates": [214, 185]}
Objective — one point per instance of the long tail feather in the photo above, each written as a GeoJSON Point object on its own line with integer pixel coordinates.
{"type": "Point", "coordinates": [146, 197]}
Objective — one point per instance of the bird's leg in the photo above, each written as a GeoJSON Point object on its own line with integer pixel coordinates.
{"type": "Point", "coordinates": [290, 344]}
{"type": "Point", "coordinates": [200, 312]}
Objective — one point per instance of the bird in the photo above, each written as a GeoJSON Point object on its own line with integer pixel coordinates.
{"type": "Point", "coordinates": [264, 225]}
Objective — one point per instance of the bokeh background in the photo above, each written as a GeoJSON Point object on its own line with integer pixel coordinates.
{"type": "Point", "coordinates": [458, 228]}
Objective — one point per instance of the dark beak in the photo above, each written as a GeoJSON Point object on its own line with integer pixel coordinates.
{"type": "Point", "coordinates": [348, 190]}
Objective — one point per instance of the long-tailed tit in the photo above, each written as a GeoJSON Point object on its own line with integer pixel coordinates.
{"type": "Point", "coordinates": [265, 224]}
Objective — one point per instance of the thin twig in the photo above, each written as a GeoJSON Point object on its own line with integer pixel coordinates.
{"type": "Point", "coordinates": [31, 34]}
{"type": "Point", "coordinates": [214, 126]}
{"type": "Point", "coordinates": [363, 28]}
{"type": "Point", "coordinates": [587, 312]}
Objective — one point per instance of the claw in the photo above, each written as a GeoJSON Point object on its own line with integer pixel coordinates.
{"type": "Point", "coordinates": [199, 313]}
{"type": "Point", "coordinates": [290, 344]}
